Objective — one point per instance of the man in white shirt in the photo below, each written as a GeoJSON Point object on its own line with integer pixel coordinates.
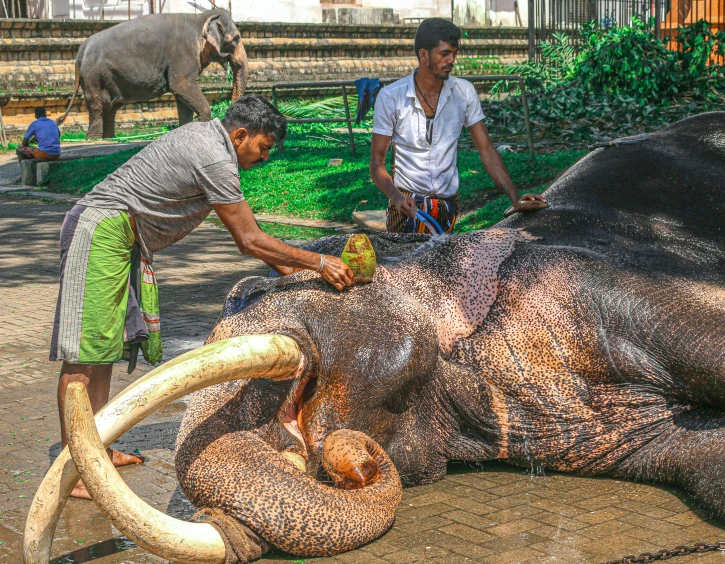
{"type": "Point", "coordinates": [424, 114]}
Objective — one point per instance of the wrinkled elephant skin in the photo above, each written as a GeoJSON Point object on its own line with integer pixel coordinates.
{"type": "Point", "coordinates": [144, 58]}
{"type": "Point", "coordinates": [587, 337]}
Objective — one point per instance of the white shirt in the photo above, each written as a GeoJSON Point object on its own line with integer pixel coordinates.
{"type": "Point", "coordinates": [420, 167]}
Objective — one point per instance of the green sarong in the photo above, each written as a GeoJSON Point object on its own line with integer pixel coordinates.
{"type": "Point", "coordinates": [99, 313]}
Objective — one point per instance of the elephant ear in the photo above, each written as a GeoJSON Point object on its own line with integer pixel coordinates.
{"type": "Point", "coordinates": [212, 33]}
{"type": "Point", "coordinates": [456, 279]}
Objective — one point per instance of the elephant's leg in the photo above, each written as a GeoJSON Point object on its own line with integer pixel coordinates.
{"type": "Point", "coordinates": [94, 103]}
{"type": "Point", "coordinates": [691, 454]}
{"type": "Point", "coordinates": [186, 114]}
{"type": "Point", "coordinates": [109, 122]}
{"type": "Point", "coordinates": [189, 93]}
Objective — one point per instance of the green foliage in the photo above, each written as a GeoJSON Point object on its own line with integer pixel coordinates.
{"type": "Point", "coordinates": [298, 182]}
{"type": "Point", "coordinates": [219, 110]}
{"type": "Point", "coordinates": [137, 134]}
{"type": "Point", "coordinates": [72, 135]}
{"type": "Point", "coordinates": [325, 108]}
{"type": "Point", "coordinates": [623, 81]}
{"type": "Point", "coordinates": [558, 63]}
{"type": "Point", "coordinates": [627, 61]}
{"type": "Point", "coordinates": [479, 65]}
{"type": "Point", "coordinates": [80, 176]}
{"type": "Point", "coordinates": [292, 108]}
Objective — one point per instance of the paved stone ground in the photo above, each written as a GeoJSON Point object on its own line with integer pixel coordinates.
{"type": "Point", "coordinates": [491, 513]}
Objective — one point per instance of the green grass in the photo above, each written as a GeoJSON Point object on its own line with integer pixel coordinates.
{"type": "Point", "coordinates": [298, 182]}
{"type": "Point", "coordinates": [286, 232]}
{"type": "Point", "coordinates": [81, 175]}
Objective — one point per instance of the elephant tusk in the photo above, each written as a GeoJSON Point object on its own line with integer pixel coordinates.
{"type": "Point", "coordinates": [246, 357]}
{"type": "Point", "coordinates": [173, 539]}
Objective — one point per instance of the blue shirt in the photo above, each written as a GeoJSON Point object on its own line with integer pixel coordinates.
{"type": "Point", "coordinates": [47, 134]}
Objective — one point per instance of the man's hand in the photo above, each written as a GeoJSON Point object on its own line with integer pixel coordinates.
{"type": "Point", "coordinates": [405, 205]}
{"type": "Point", "coordinates": [337, 272]}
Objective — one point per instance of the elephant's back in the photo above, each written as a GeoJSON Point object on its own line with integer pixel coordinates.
{"type": "Point", "coordinates": [655, 202]}
{"type": "Point", "coordinates": [142, 37]}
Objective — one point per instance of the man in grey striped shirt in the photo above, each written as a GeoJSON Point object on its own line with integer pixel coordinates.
{"type": "Point", "coordinates": [108, 300]}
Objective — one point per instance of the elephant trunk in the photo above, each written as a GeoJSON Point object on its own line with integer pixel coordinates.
{"type": "Point", "coordinates": [239, 473]}
{"type": "Point", "coordinates": [240, 70]}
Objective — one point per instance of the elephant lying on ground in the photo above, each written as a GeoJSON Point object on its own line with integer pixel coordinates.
{"type": "Point", "coordinates": [146, 57]}
{"type": "Point", "coordinates": [590, 342]}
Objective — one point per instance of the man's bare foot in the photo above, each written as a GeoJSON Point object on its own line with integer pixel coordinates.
{"type": "Point", "coordinates": [122, 459]}
{"type": "Point", "coordinates": [80, 491]}
{"type": "Point", "coordinates": [119, 459]}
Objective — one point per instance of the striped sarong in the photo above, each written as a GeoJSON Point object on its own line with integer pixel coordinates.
{"type": "Point", "coordinates": [443, 210]}
{"type": "Point", "coordinates": [101, 309]}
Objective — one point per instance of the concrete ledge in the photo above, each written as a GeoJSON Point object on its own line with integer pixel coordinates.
{"type": "Point", "coordinates": [372, 219]}
{"type": "Point", "coordinates": [33, 172]}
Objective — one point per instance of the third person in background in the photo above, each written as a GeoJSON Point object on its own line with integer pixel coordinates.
{"type": "Point", "coordinates": [423, 115]}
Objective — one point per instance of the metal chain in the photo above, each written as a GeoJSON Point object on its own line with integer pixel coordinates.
{"type": "Point", "coordinates": [683, 550]}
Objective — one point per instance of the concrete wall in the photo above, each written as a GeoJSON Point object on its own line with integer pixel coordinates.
{"type": "Point", "coordinates": [485, 13]}
{"type": "Point", "coordinates": [301, 11]}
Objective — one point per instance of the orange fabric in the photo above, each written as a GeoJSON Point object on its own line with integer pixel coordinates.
{"type": "Point", "coordinates": [35, 153]}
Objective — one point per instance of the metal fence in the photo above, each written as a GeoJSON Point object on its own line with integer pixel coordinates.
{"type": "Point", "coordinates": [569, 16]}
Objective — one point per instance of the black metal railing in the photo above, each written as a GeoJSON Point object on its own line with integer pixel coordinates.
{"type": "Point", "coordinates": [569, 16]}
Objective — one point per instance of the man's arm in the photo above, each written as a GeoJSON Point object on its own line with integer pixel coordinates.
{"type": "Point", "coordinates": [29, 134]}
{"type": "Point", "coordinates": [251, 240]}
{"type": "Point", "coordinates": [382, 179]}
{"type": "Point", "coordinates": [493, 163]}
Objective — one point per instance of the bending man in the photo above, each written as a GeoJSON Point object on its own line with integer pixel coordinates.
{"type": "Point", "coordinates": [108, 300]}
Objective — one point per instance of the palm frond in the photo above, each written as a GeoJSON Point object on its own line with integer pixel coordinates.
{"type": "Point", "coordinates": [326, 108]}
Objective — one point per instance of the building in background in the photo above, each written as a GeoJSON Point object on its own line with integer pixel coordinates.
{"type": "Point", "coordinates": [474, 13]}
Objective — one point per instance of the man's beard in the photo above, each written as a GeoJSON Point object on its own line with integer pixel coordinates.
{"type": "Point", "coordinates": [438, 76]}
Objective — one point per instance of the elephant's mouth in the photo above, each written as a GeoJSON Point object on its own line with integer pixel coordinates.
{"type": "Point", "coordinates": [291, 417]}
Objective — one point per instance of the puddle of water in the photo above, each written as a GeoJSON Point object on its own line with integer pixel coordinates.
{"type": "Point", "coordinates": [98, 550]}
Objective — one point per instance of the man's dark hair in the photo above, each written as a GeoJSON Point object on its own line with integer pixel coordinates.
{"type": "Point", "coordinates": [434, 30]}
{"type": "Point", "coordinates": [40, 112]}
{"type": "Point", "coordinates": [256, 115]}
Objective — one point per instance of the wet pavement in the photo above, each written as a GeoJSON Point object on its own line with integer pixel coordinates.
{"type": "Point", "coordinates": [490, 513]}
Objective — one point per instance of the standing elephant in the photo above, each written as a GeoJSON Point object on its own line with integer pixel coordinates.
{"type": "Point", "coordinates": [146, 57]}
{"type": "Point", "coordinates": [587, 337]}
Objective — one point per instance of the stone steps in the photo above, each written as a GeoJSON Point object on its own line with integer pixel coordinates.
{"type": "Point", "coordinates": [37, 62]}
{"type": "Point", "coordinates": [28, 28]}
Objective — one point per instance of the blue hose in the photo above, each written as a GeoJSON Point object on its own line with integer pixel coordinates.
{"type": "Point", "coordinates": [430, 223]}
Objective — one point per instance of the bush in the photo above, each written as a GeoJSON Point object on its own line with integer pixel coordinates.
{"type": "Point", "coordinates": [622, 81]}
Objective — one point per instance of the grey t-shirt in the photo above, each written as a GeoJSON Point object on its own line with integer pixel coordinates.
{"type": "Point", "coordinates": [169, 187]}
